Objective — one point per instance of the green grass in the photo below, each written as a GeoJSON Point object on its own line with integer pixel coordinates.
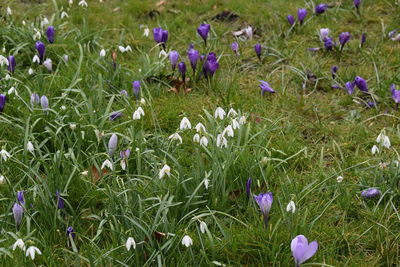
{"type": "Point", "coordinates": [295, 142]}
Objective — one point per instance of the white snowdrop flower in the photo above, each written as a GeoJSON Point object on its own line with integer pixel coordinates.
{"type": "Point", "coordinates": [175, 137]}
{"type": "Point", "coordinates": [166, 170]}
{"type": "Point", "coordinates": [249, 32]}
{"type": "Point", "coordinates": [323, 33]}
{"type": "Point", "coordinates": [203, 227]}
{"type": "Point", "coordinates": [65, 58]}
{"type": "Point", "coordinates": [4, 154]}
{"type": "Point", "coordinates": [162, 54]}
{"type": "Point", "coordinates": [30, 147]}
{"type": "Point", "coordinates": [185, 124]}
{"type": "Point", "coordinates": [339, 179]}
{"type": "Point", "coordinates": [291, 207]}
{"type": "Point", "coordinates": [7, 77]}
{"type": "Point", "coordinates": [187, 241]}
{"type": "Point", "coordinates": [235, 124]}
{"type": "Point", "coordinates": [63, 107]}
{"type": "Point", "coordinates": [146, 32]}
{"type": "Point", "coordinates": [228, 131]}
{"type": "Point", "coordinates": [37, 36]}
{"type": "Point", "coordinates": [140, 70]}
{"type": "Point", "coordinates": [102, 53]}
{"type": "Point", "coordinates": [221, 141]}
{"type": "Point", "coordinates": [44, 22]}
{"type": "Point", "coordinates": [130, 242]}
{"type": "Point", "coordinates": [36, 59]}
{"type": "Point", "coordinates": [19, 244]}
{"type": "Point", "coordinates": [70, 2]}
{"type": "Point", "coordinates": [123, 164]}
{"type": "Point", "coordinates": [3, 49]}
{"type": "Point", "coordinates": [31, 251]}
{"type": "Point", "coordinates": [12, 90]}
{"type": "Point", "coordinates": [2, 179]}
{"type": "Point", "coordinates": [143, 101]}
{"type": "Point", "coordinates": [64, 15]}
{"type": "Point", "coordinates": [242, 120]}
{"type": "Point", "coordinates": [196, 138]}
{"type": "Point", "coordinates": [9, 11]}
{"type": "Point", "coordinates": [138, 114]}
{"type": "Point", "coordinates": [386, 141]}
{"type": "Point", "coordinates": [219, 113]}
{"type": "Point", "coordinates": [200, 128]}
{"type": "Point", "coordinates": [3, 60]}
{"type": "Point", "coordinates": [204, 141]}
{"type": "Point", "coordinates": [232, 113]}
{"type": "Point", "coordinates": [48, 63]}
{"type": "Point", "coordinates": [374, 150]}
{"type": "Point", "coordinates": [108, 164]}
{"type": "Point", "coordinates": [24, 23]}
{"type": "Point", "coordinates": [30, 71]}
{"type": "Point", "coordinates": [206, 183]}
{"type": "Point", "coordinates": [85, 173]}
{"type": "Point", "coordinates": [82, 3]}
{"type": "Point", "coordinates": [72, 126]}
{"type": "Point", "coordinates": [125, 49]}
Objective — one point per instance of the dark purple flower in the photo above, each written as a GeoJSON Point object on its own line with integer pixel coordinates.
{"type": "Point", "coordinates": [235, 48]}
{"type": "Point", "coordinates": [301, 15]}
{"type": "Point", "coordinates": [18, 212]}
{"type": "Point", "coordinates": [211, 65]}
{"type": "Point", "coordinates": [248, 186]}
{"type": "Point", "coordinates": [361, 84]}
{"type": "Point", "coordinates": [60, 201]}
{"type": "Point", "coordinates": [50, 34]}
{"type": "Point", "coordinates": [70, 232]}
{"type": "Point", "coordinates": [291, 20]}
{"type": "Point", "coordinates": [334, 70]}
{"type": "Point", "coordinates": [329, 43]}
{"type": "Point", "coordinates": [115, 115]}
{"type": "Point", "coordinates": [182, 70]}
{"type": "Point", "coordinates": [173, 58]}
{"type": "Point", "coordinates": [370, 193]}
{"type": "Point", "coordinates": [363, 39]}
{"type": "Point", "coordinates": [203, 30]}
{"type": "Point", "coordinates": [321, 8]}
{"type": "Point", "coordinates": [3, 99]}
{"type": "Point", "coordinates": [371, 104]}
{"type": "Point", "coordinates": [34, 99]}
{"type": "Point", "coordinates": [301, 250]}
{"type": "Point", "coordinates": [344, 37]}
{"type": "Point", "coordinates": [125, 153]}
{"type": "Point", "coordinates": [160, 36]}
{"type": "Point", "coordinates": [395, 94]}
{"type": "Point", "coordinates": [136, 89]}
{"type": "Point", "coordinates": [265, 87]}
{"type": "Point", "coordinates": [350, 87]}
{"type": "Point", "coordinates": [193, 56]}
{"type": "Point", "coordinates": [357, 3]}
{"type": "Point", "coordinates": [11, 64]}
{"type": "Point", "coordinates": [20, 197]}
{"type": "Point", "coordinates": [41, 49]}
{"type": "Point", "coordinates": [258, 49]}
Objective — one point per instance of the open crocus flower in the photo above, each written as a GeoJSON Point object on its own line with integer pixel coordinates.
{"type": "Point", "coordinates": [50, 32]}
{"type": "Point", "coordinates": [291, 20]}
{"type": "Point", "coordinates": [344, 37]}
{"type": "Point", "coordinates": [395, 94]}
{"type": "Point", "coordinates": [301, 250]}
{"type": "Point", "coordinates": [264, 201]}
{"type": "Point", "coordinates": [301, 15]}
{"type": "Point", "coordinates": [160, 36]}
{"type": "Point", "coordinates": [173, 58]}
{"type": "Point", "coordinates": [361, 84]}
{"type": "Point", "coordinates": [321, 8]}
{"type": "Point", "coordinates": [265, 87]}
{"type": "Point", "coordinates": [203, 31]}
{"type": "Point", "coordinates": [3, 99]}
{"type": "Point", "coordinates": [370, 193]}
{"type": "Point", "coordinates": [41, 49]}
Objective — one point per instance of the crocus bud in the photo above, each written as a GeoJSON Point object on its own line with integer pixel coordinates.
{"type": "Point", "coordinates": [173, 58]}
{"type": "Point", "coordinates": [361, 84]}
{"type": "Point", "coordinates": [344, 37]}
{"type": "Point", "coordinates": [125, 153]}
{"type": "Point", "coordinates": [264, 201]}
{"type": "Point", "coordinates": [266, 88]}
{"type": "Point", "coordinates": [334, 70]}
{"type": "Point", "coordinates": [2, 102]}
{"type": "Point", "coordinates": [41, 49]}
{"type": "Point", "coordinates": [115, 115]}
{"type": "Point", "coordinates": [357, 3]}
{"type": "Point", "coordinates": [70, 232]}
{"type": "Point", "coordinates": [182, 70]}
{"type": "Point", "coordinates": [329, 43]}
{"type": "Point", "coordinates": [211, 65]}
{"type": "Point", "coordinates": [193, 56]}
{"type": "Point", "coordinates": [203, 30]}
{"type": "Point", "coordinates": [48, 63]}
{"type": "Point", "coordinates": [160, 36]}
{"type": "Point", "coordinates": [18, 212]}
{"type": "Point", "coordinates": [248, 186]}
{"type": "Point", "coordinates": [321, 8]}
{"type": "Point", "coordinates": [20, 197]}
{"type": "Point", "coordinates": [11, 64]}
{"type": "Point", "coordinates": [395, 94]}
{"type": "Point", "coordinates": [50, 34]}
{"type": "Point", "coordinates": [60, 201]}
{"type": "Point", "coordinates": [235, 48]}
{"type": "Point", "coordinates": [34, 99]}
{"type": "Point", "coordinates": [291, 20]}
{"type": "Point", "coordinates": [363, 38]}
{"type": "Point", "coordinates": [258, 49]}
{"type": "Point", "coordinates": [112, 144]}
{"type": "Point", "coordinates": [301, 15]}
{"type": "Point", "coordinates": [136, 89]}
{"type": "Point", "coordinates": [350, 87]}
{"type": "Point", "coordinates": [45, 103]}
{"type": "Point", "coordinates": [370, 193]}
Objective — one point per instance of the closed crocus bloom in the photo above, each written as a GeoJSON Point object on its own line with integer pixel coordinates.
{"type": "Point", "coordinates": [329, 43]}
{"type": "Point", "coordinates": [371, 193]}
{"type": "Point", "coordinates": [70, 232]}
{"type": "Point", "coordinates": [235, 48]}
{"type": "Point", "coordinates": [301, 15]}
{"type": "Point", "coordinates": [211, 65]}
{"type": "Point", "coordinates": [344, 37]}
{"type": "Point", "coordinates": [112, 144]}
{"type": "Point", "coordinates": [2, 102]}
{"type": "Point", "coordinates": [60, 201]}
{"type": "Point", "coordinates": [321, 8]}
{"type": "Point", "coordinates": [48, 63]}
{"type": "Point", "coordinates": [182, 70]}
{"type": "Point", "coordinates": [248, 187]}
{"type": "Point", "coordinates": [350, 87]}
{"type": "Point", "coordinates": [50, 32]}
{"type": "Point", "coordinates": [301, 250]}
{"type": "Point", "coordinates": [136, 89]}
{"type": "Point", "coordinates": [203, 31]}
{"type": "Point", "coordinates": [357, 3]}
{"type": "Point", "coordinates": [257, 49]}
{"type": "Point", "coordinates": [264, 201]}
{"type": "Point", "coordinates": [291, 20]}
{"type": "Point", "coordinates": [115, 115]}
{"type": "Point", "coordinates": [324, 33]}
{"type": "Point", "coordinates": [44, 102]}
{"type": "Point", "coordinates": [35, 99]}
{"type": "Point", "coordinates": [193, 56]}
{"type": "Point", "coordinates": [41, 49]}
{"type": "Point", "coordinates": [160, 36]}
{"type": "Point", "coordinates": [11, 64]}
{"type": "Point", "coordinates": [20, 197]}
{"type": "Point", "coordinates": [265, 87]}
{"type": "Point", "coordinates": [334, 70]}
{"type": "Point", "coordinates": [18, 212]}
{"type": "Point", "coordinates": [361, 84]}
{"type": "Point", "coordinates": [124, 154]}
{"type": "Point", "coordinates": [363, 39]}
{"type": "Point", "coordinates": [173, 58]}
{"type": "Point", "coordinates": [395, 94]}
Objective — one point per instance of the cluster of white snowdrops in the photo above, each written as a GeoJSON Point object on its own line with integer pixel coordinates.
{"type": "Point", "coordinates": [30, 251]}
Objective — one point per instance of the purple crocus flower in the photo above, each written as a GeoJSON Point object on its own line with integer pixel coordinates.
{"type": "Point", "coordinates": [45, 103]}
{"type": "Point", "coordinates": [60, 201]}
{"type": "Point", "coordinates": [34, 99]}
{"type": "Point", "coordinates": [336, 86]}
{"type": "Point", "coordinates": [314, 49]}
{"type": "Point", "coordinates": [70, 232]}
{"type": "Point", "coordinates": [50, 34]}
{"type": "Point", "coordinates": [257, 49]}
{"type": "Point", "coordinates": [41, 49]}
{"type": "Point", "coordinates": [18, 212]}
{"type": "Point", "coordinates": [371, 104]}
{"type": "Point", "coordinates": [235, 48]}
{"type": "Point", "coordinates": [334, 70]}
{"type": "Point", "coordinates": [350, 87]}
{"type": "Point", "coordinates": [301, 15]}
{"type": "Point", "coordinates": [125, 153]}
{"type": "Point", "coordinates": [160, 36]}
{"type": "Point", "coordinates": [182, 70]}
{"type": "Point", "coordinates": [264, 201]}
{"type": "Point", "coordinates": [115, 115]}
{"type": "Point", "coordinates": [291, 20]}
{"type": "Point", "coordinates": [20, 197]}
{"type": "Point", "coordinates": [136, 89]}
{"type": "Point", "coordinates": [357, 3]}
{"type": "Point", "coordinates": [344, 37]}
{"type": "Point", "coordinates": [193, 56]}
{"type": "Point", "coordinates": [123, 92]}
{"type": "Point", "coordinates": [11, 64]}
{"type": "Point", "coordinates": [173, 58]}
{"type": "Point", "coordinates": [3, 99]}
{"type": "Point", "coordinates": [363, 38]}
{"type": "Point", "coordinates": [203, 31]}
{"type": "Point", "coordinates": [266, 87]}
{"type": "Point", "coordinates": [371, 193]}
{"type": "Point", "coordinates": [395, 94]}
{"type": "Point", "coordinates": [211, 65]}
{"type": "Point", "coordinates": [301, 250]}
{"type": "Point", "coordinates": [321, 8]}
{"type": "Point", "coordinates": [329, 43]}
{"type": "Point", "coordinates": [361, 84]}
{"type": "Point", "coordinates": [112, 144]}
{"type": "Point", "coordinates": [248, 186]}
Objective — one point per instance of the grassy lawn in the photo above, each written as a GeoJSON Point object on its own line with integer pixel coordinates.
{"type": "Point", "coordinates": [310, 142]}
